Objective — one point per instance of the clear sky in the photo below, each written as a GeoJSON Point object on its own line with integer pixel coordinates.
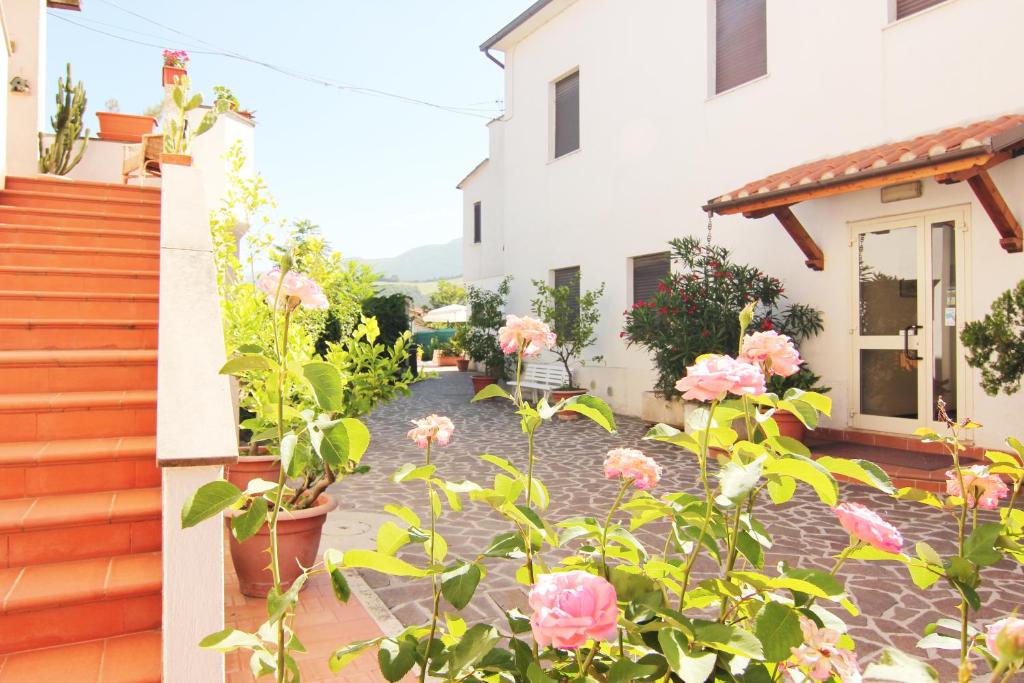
{"type": "Point", "coordinates": [377, 174]}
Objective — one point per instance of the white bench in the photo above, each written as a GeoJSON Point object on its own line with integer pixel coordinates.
{"type": "Point", "coordinates": [543, 376]}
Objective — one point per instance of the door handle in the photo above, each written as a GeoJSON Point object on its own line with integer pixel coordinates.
{"type": "Point", "coordinates": [907, 353]}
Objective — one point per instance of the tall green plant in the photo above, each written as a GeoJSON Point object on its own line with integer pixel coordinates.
{"type": "Point", "coordinates": [574, 320]}
{"type": "Point", "coordinates": [479, 338]}
{"type": "Point", "coordinates": [59, 157]}
{"type": "Point", "coordinates": [995, 344]}
{"type": "Point", "coordinates": [177, 136]}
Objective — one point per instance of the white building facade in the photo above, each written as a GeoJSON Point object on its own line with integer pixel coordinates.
{"type": "Point", "coordinates": [682, 102]}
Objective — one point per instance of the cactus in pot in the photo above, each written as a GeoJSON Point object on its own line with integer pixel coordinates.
{"type": "Point", "coordinates": [178, 138]}
{"type": "Point", "coordinates": [59, 157]}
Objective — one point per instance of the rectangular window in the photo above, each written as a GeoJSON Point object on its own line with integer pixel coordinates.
{"type": "Point", "coordinates": [904, 8]}
{"type": "Point", "coordinates": [477, 224]}
{"type": "Point", "coordinates": [567, 115]}
{"type": "Point", "coordinates": [648, 271]}
{"type": "Point", "coordinates": [741, 42]}
{"type": "Point", "coordinates": [569, 277]}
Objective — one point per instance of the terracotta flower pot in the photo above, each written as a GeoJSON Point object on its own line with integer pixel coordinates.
{"type": "Point", "coordinates": [481, 381]}
{"type": "Point", "coordinates": [790, 426]}
{"type": "Point", "coordinates": [447, 361]}
{"type": "Point", "coordinates": [249, 467]}
{"type": "Point", "coordinates": [463, 364]}
{"type": "Point", "coordinates": [561, 394]}
{"type": "Point", "coordinates": [172, 72]}
{"type": "Point", "coordinates": [124, 127]}
{"type": "Point", "coordinates": [298, 540]}
{"type": "Point", "coordinates": [176, 159]}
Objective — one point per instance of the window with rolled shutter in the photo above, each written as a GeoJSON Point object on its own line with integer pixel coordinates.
{"type": "Point", "coordinates": [567, 114]}
{"type": "Point", "coordinates": [904, 8]}
{"type": "Point", "coordinates": [741, 42]}
{"type": "Point", "coordinates": [569, 277]}
{"type": "Point", "coordinates": [477, 224]}
{"type": "Point", "coordinates": [648, 271]}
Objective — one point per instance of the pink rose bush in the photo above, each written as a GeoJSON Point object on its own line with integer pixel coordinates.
{"type": "Point", "coordinates": [868, 527]}
{"type": "Point", "coordinates": [631, 464]}
{"type": "Point", "coordinates": [984, 490]}
{"type": "Point", "coordinates": [529, 335]}
{"type": "Point", "coordinates": [572, 608]}
{"type": "Point", "coordinates": [1005, 639]}
{"type": "Point", "coordinates": [821, 656]}
{"type": "Point", "coordinates": [772, 351]}
{"type": "Point", "coordinates": [294, 290]}
{"type": "Point", "coordinates": [712, 377]}
{"type": "Point", "coordinates": [432, 429]}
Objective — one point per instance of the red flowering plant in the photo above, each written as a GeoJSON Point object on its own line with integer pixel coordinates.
{"type": "Point", "coordinates": [175, 58]}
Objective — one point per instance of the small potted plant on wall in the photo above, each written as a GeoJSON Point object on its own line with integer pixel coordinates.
{"type": "Point", "coordinates": [480, 333]}
{"type": "Point", "coordinates": [574, 320]}
{"type": "Point", "coordinates": [177, 136]}
{"type": "Point", "coordinates": [120, 127]}
{"type": "Point", "coordinates": [175, 66]}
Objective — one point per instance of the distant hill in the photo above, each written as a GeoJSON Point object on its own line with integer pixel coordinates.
{"type": "Point", "coordinates": [421, 264]}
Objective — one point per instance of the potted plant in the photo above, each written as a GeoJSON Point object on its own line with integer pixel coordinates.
{"type": "Point", "coordinates": [574, 320]}
{"type": "Point", "coordinates": [479, 336]}
{"type": "Point", "coordinates": [799, 322]}
{"type": "Point", "coordinates": [59, 157]}
{"type": "Point", "coordinates": [175, 66]}
{"type": "Point", "coordinates": [123, 127]}
{"type": "Point", "coordinates": [177, 136]}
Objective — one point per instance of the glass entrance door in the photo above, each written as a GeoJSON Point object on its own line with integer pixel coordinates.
{"type": "Point", "coordinates": [906, 320]}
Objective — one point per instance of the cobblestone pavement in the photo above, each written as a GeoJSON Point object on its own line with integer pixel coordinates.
{"type": "Point", "coordinates": [570, 455]}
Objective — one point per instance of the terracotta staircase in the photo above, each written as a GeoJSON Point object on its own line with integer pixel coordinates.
{"type": "Point", "coordinates": [80, 508]}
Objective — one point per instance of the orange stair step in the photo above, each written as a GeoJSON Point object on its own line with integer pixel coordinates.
{"type": "Point", "coordinates": [81, 237]}
{"type": "Point", "coordinates": [114, 205]}
{"type": "Point", "coordinates": [134, 658]}
{"type": "Point", "coordinates": [76, 333]}
{"type": "Point", "coordinates": [65, 256]}
{"type": "Point", "coordinates": [78, 414]}
{"type": "Point", "coordinates": [102, 305]}
{"type": "Point", "coordinates": [82, 279]}
{"type": "Point", "coordinates": [71, 218]}
{"type": "Point", "coordinates": [26, 371]}
{"type": "Point", "coordinates": [82, 188]}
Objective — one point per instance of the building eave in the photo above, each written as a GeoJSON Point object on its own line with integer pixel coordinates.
{"type": "Point", "coordinates": [535, 15]}
{"type": "Point", "coordinates": [469, 176]}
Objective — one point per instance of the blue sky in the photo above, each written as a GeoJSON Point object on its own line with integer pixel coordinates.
{"type": "Point", "coordinates": [377, 174]}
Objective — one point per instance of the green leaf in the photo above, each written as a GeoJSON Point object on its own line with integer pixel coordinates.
{"type": "Point", "coordinates": [938, 641]}
{"type": "Point", "coordinates": [339, 583]}
{"type": "Point", "coordinates": [396, 657]}
{"type": "Point", "coordinates": [194, 102]}
{"type": "Point", "coordinates": [334, 445]}
{"type": "Point", "coordinates": [478, 641]}
{"type": "Point", "coordinates": [979, 547]}
{"type": "Point", "coordinates": [594, 408]}
{"type": "Point", "coordinates": [731, 639]}
{"type": "Point", "coordinates": [667, 434]}
{"type": "Point", "coordinates": [897, 667]}
{"type": "Point", "coordinates": [737, 479]}
{"type": "Point", "coordinates": [209, 500]}
{"type": "Point", "coordinates": [860, 470]}
{"type": "Point", "coordinates": [507, 545]}
{"type": "Point", "coordinates": [391, 538]}
{"type": "Point", "coordinates": [288, 444]}
{"type": "Point", "coordinates": [206, 123]}
{"type": "Point", "coordinates": [810, 473]}
{"type": "Point", "coordinates": [245, 525]}
{"type": "Point", "coordinates": [627, 671]}
{"type": "Point", "coordinates": [358, 438]}
{"type": "Point", "coordinates": [459, 583]}
{"type": "Point", "coordinates": [490, 391]}
{"type": "Point", "coordinates": [325, 379]}
{"type": "Point", "coordinates": [696, 666]}
{"type": "Point", "coordinates": [778, 629]}
{"type": "Point", "coordinates": [781, 489]}
{"type": "Point", "coordinates": [380, 562]}
{"type": "Point", "coordinates": [411, 472]}
{"type": "Point", "coordinates": [230, 639]}
{"type": "Point", "coordinates": [343, 656]}
{"type": "Point", "coordinates": [247, 362]}
{"type": "Point", "coordinates": [673, 645]}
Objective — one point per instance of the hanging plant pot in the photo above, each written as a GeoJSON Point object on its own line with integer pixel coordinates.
{"type": "Point", "coordinates": [481, 381]}
{"type": "Point", "coordinates": [298, 540]}
{"type": "Point", "coordinates": [172, 72]}
{"type": "Point", "coordinates": [562, 394]}
{"type": "Point", "coordinates": [124, 127]}
{"type": "Point", "coordinates": [176, 159]}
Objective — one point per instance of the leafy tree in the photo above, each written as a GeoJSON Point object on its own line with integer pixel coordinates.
{"type": "Point", "coordinates": [391, 312]}
{"type": "Point", "coordinates": [573, 320]}
{"type": "Point", "coordinates": [479, 337]}
{"type": "Point", "coordinates": [446, 294]}
{"type": "Point", "coordinates": [995, 344]}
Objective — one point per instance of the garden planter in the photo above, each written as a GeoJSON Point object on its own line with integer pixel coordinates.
{"type": "Point", "coordinates": [249, 467]}
{"type": "Point", "coordinates": [172, 72]}
{"type": "Point", "coordinates": [176, 159]}
{"type": "Point", "coordinates": [446, 361]}
{"type": "Point", "coordinates": [561, 394]}
{"type": "Point", "coordinates": [655, 408]}
{"type": "Point", "coordinates": [790, 426]}
{"type": "Point", "coordinates": [298, 537]}
{"type": "Point", "coordinates": [463, 364]}
{"type": "Point", "coordinates": [124, 127]}
{"type": "Point", "coordinates": [481, 381]}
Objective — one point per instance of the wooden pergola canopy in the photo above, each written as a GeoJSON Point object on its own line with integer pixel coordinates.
{"type": "Point", "coordinates": [949, 156]}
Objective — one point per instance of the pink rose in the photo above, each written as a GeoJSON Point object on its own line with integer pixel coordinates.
{"type": "Point", "coordinates": [431, 429]}
{"type": "Point", "coordinates": [820, 654]}
{"type": "Point", "coordinates": [1008, 633]}
{"type": "Point", "coordinates": [712, 377]}
{"type": "Point", "coordinates": [630, 463]}
{"type": "Point", "coordinates": [296, 289]}
{"type": "Point", "coordinates": [774, 352]}
{"type": "Point", "coordinates": [570, 608]}
{"type": "Point", "coordinates": [529, 334]}
{"type": "Point", "coordinates": [867, 526]}
{"type": "Point", "coordinates": [982, 486]}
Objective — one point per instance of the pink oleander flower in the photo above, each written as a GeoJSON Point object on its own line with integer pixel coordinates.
{"type": "Point", "coordinates": [712, 377]}
{"type": "Point", "coordinates": [630, 463]}
{"type": "Point", "coordinates": [821, 655]}
{"type": "Point", "coordinates": [296, 289]}
{"type": "Point", "coordinates": [570, 608]}
{"type": "Point", "coordinates": [176, 58]}
{"type": "Point", "coordinates": [1006, 637]}
{"type": "Point", "coordinates": [774, 352]}
{"type": "Point", "coordinates": [867, 526]}
{"type": "Point", "coordinates": [432, 429]}
{"type": "Point", "coordinates": [983, 489]}
{"type": "Point", "coordinates": [529, 334]}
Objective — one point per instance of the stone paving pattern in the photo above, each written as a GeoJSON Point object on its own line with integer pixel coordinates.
{"type": "Point", "coordinates": [570, 456]}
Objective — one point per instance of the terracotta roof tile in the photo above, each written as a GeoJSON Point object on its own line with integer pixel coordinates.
{"type": "Point", "coordinates": [977, 134]}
